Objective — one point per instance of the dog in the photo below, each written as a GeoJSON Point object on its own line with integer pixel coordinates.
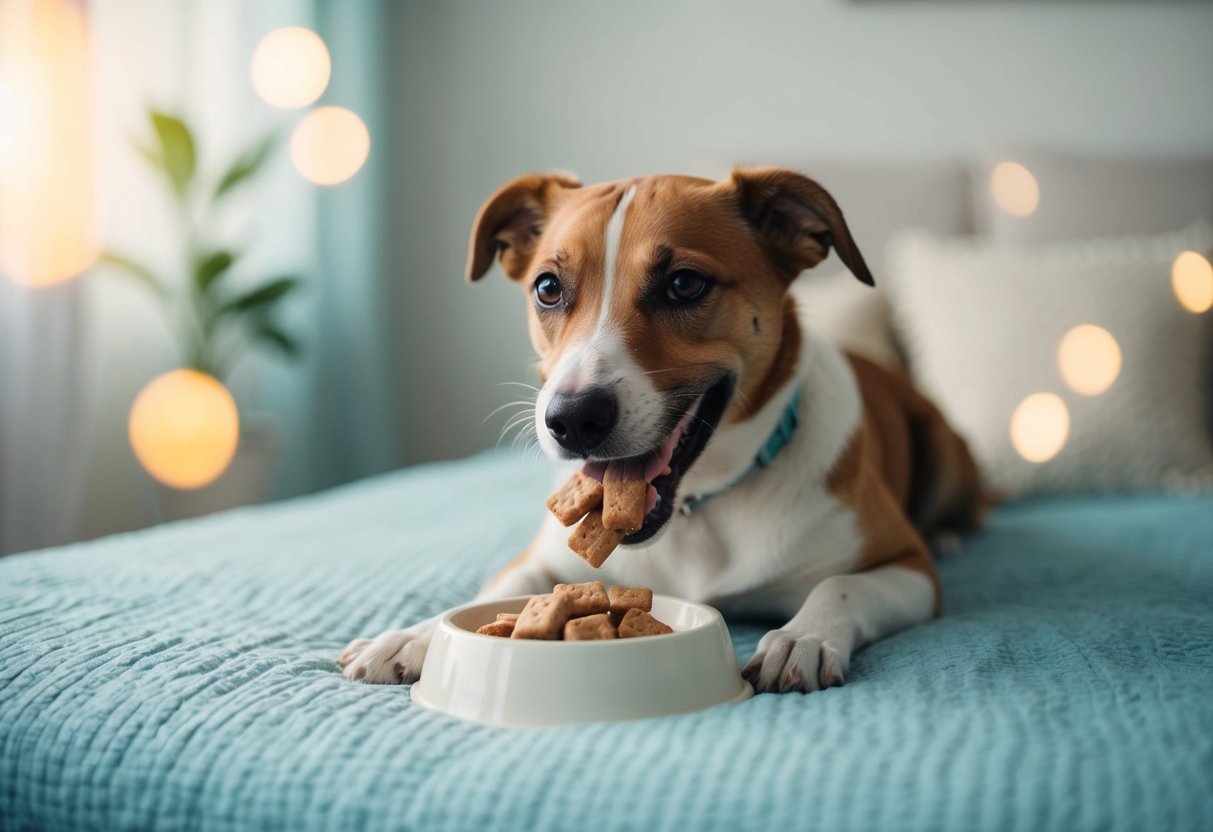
{"type": "Point", "coordinates": [788, 481]}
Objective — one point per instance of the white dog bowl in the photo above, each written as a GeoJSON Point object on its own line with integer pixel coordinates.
{"type": "Point", "coordinates": [522, 683]}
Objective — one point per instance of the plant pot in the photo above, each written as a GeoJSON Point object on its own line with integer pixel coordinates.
{"type": "Point", "coordinates": [249, 480]}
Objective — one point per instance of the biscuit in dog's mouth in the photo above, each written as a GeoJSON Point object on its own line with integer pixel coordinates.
{"type": "Point", "coordinates": [664, 467]}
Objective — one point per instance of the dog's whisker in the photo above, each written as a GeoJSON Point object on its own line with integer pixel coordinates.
{"type": "Point", "coordinates": [516, 422]}
{"type": "Point", "coordinates": [519, 403]}
{"type": "Point", "coordinates": [513, 419]}
{"type": "Point", "coordinates": [523, 436]}
{"type": "Point", "coordinates": [674, 369]}
{"type": "Point", "coordinates": [683, 412]}
{"type": "Point", "coordinates": [520, 384]}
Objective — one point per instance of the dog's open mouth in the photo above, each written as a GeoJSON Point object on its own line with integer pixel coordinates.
{"type": "Point", "coordinates": [664, 467]}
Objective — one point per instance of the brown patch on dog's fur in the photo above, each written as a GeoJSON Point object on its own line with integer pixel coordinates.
{"type": "Point", "coordinates": [926, 464]}
{"type": "Point", "coordinates": [888, 537]}
{"type": "Point", "coordinates": [904, 472]}
{"type": "Point", "coordinates": [783, 365]}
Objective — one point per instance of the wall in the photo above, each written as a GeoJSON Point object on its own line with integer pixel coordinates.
{"type": "Point", "coordinates": [491, 90]}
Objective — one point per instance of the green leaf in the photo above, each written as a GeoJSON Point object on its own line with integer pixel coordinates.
{"type": "Point", "coordinates": [210, 268]}
{"type": "Point", "coordinates": [246, 166]}
{"type": "Point", "coordinates": [151, 155]}
{"type": "Point", "coordinates": [177, 154]}
{"type": "Point", "coordinates": [134, 270]}
{"type": "Point", "coordinates": [268, 332]}
{"type": "Point", "coordinates": [260, 298]}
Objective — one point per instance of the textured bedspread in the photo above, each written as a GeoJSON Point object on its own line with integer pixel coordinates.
{"type": "Point", "coordinates": [183, 678]}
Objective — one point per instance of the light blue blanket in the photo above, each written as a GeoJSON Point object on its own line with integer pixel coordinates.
{"type": "Point", "coordinates": [183, 678]}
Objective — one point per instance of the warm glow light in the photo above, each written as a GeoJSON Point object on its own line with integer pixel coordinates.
{"type": "Point", "coordinates": [1192, 279]}
{"type": "Point", "coordinates": [329, 145]}
{"type": "Point", "coordinates": [1014, 189]}
{"type": "Point", "coordinates": [1089, 358]}
{"type": "Point", "coordinates": [184, 428]}
{"type": "Point", "coordinates": [47, 231]}
{"type": "Point", "coordinates": [1040, 427]}
{"type": "Point", "coordinates": [290, 67]}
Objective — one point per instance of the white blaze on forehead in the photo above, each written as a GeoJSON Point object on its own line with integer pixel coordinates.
{"type": "Point", "coordinates": [602, 359]}
{"type": "Point", "coordinates": [614, 231]}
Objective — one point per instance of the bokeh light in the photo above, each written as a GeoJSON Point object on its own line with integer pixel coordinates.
{"type": "Point", "coordinates": [329, 145]}
{"type": "Point", "coordinates": [1192, 280]}
{"type": "Point", "coordinates": [1089, 358]}
{"type": "Point", "coordinates": [47, 222]}
{"type": "Point", "coordinates": [1014, 189]}
{"type": "Point", "coordinates": [184, 428]}
{"type": "Point", "coordinates": [1040, 427]}
{"type": "Point", "coordinates": [290, 67]}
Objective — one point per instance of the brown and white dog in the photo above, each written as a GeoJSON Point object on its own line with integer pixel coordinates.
{"type": "Point", "coordinates": [660, 310]}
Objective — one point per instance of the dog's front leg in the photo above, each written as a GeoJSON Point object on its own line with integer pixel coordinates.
{"type": "Point", "coordinates": [396, 656]}
{"type": "Point", "coordinates": [843, 613]}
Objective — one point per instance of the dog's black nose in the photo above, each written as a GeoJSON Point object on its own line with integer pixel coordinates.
{"type": "Point", "coordinates": [580, 421]}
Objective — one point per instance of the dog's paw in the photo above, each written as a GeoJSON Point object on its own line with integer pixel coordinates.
{"type": "Point", "coordinates": [785, 662]}
{"type": "Point", "coordinates": [391, 658]}
{"type": "Point", "coordinates": [351, 651]}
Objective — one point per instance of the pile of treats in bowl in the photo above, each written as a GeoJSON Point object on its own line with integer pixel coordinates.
{"type": "Point", "coordinates": [582, 612]}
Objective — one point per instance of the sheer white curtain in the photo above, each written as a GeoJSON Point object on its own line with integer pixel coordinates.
{"type": "Point", "coordinates": [73, 358]}
{"type": "Point", "coordinates": [42, 415]}
{"type": "Point", "coordinates": [47, 233]}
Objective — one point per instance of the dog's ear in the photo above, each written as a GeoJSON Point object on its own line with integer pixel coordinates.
{"type": "Point", "coordinates": [511, 220]}
{"type": "Point", "coordinates": [796, 219]}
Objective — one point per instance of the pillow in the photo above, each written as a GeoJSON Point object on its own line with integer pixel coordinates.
{"type": "Point", "coordinates": [852, 316]}
{"type": "Point", "coordinates": [982, 326]}
{"type": "Point", "coordinates": [879, 200]}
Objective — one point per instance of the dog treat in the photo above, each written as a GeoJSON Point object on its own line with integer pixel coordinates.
{"type": "Point", "coordinates": [589, 628]}
{"type": "Point", "coordinates": [584, 599]}
{"type": "Point", "coordinates": [624, 490]}
{"type": "Point", "coordinates": [499, 627]}
{"type": "Point", "coordinates": [575, 499]}
{"type": "Point", "coordinates": [637, 622]}
{"type": "Point", "coordinates": [594, 542]}
{"type": "Point", "coordinates": [624, 598]}
{"type": "Point", "coordinates": [543, 617]}
{"type": "Point", "coordinates": [582, 612]}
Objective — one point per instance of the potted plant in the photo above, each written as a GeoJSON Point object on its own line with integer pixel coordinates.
{"type": "Point", "coordinates": [214, 323]}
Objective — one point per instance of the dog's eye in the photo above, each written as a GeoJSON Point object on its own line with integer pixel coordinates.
{"type": "Point", "coordinates": [547, 291]}
{"type": "Point", "coordinates": [686, 285]}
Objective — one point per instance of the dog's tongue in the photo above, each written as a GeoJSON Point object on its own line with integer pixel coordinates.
{"type": "Point", "coordinates": [656, 463]}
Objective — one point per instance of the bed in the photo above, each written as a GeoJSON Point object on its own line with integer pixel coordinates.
{"type": "Point", "coordinates": [183, 677]}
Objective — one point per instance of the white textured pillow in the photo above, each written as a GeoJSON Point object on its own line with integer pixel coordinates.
{"type": "Point", "coordinates": [981, 325]}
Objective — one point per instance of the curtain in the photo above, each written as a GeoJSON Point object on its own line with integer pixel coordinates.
{"type": "Point", "coordinates": [73, 359]}
{"type": "Point", "coordinates": [47, 235]}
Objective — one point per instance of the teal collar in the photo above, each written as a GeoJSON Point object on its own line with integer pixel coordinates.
{"type": "Point", "coordinates": [780, 436]}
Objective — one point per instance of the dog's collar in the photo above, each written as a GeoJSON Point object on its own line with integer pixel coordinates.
{"type": "Point", "coordinates": [780, 436]}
